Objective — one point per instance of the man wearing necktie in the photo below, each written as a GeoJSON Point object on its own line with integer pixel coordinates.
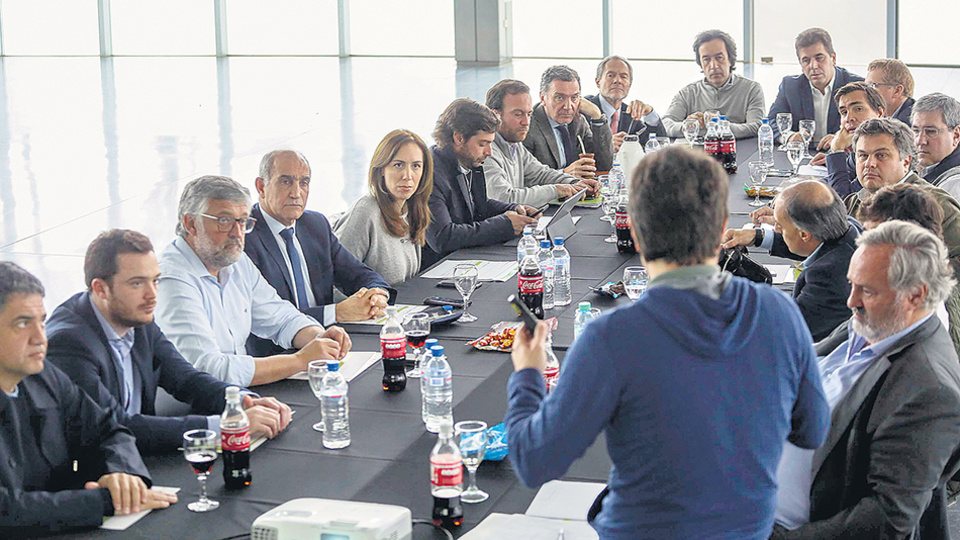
{"type": "Point", "coordinates": [614, 79]}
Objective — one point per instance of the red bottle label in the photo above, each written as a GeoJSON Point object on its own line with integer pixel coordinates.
{"type": "Point", "coordinates": [711, 147]}
{"type": "Point", "coordinates": [235, 440]}
{"type": "Point", "coordinates": [530, 284]}
{"type": "Point", "coordinates": [446, 470]}
{"type": "Point", "coordinates": [622, 220]}
{"type": "Point", "coordinates": [395, 347]}
{"type": "Point", "coordinates": [728, 146]}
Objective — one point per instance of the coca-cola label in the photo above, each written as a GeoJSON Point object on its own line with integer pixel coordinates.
{"type": "Point", "coordinates": [711, 147]}
{"type": "Point", "coordinates": [622, 221]}
{"type": "Point", "coordinates": [446, 471]}
{"type": "Point", "coordinates": [728, 146]}
{"type": "Point", "coordinates": [235, 440]}
{"type": "Point", "coordinates": [393, 347]}
{"type": "Point", "coordinates": [530, 284]}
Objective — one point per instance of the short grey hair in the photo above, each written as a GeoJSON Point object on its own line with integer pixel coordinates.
{"type": "Point", "coordinates": [198, 193]}
{"type": "Point", "coordinates": [948, 107]}
{"type": "Point", "coordinates": [557, 73]}
{"type": "Point", "coordinates": [603, 65]}
{"type": "Point", "coordinates": [902, 136]}
{"type": "Point", "coordinates": [266, 163]}
{"type": "Point", "coordinates": [918, 258]}
{"type": "Point", "coordinates": [15, 280]}
{"type": "Point", "coordinates": [825, 222]}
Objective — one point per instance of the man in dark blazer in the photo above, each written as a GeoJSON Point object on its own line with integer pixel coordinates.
{"type": "Point", "coordinates": [66, 461]}
{"type": "Point", "coordinates": [821, 75]}
{"type": "Point", "coordinates": [614, 79]}
{"type": "Point", "coordinates": [89, 330]}
{"type": "Point", "coordinates": [893, 80]}
{"type": "Point", "coordinates": [892, 379]}
{"type": "Point", "coordinates": [283, 187]}
{"type": "Point", "coordinates": [561, 120]}
{"type": "Point", "coordinates": [463, 216]}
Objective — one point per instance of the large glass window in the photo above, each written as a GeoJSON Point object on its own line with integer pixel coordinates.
{"type": "Point", "coordinates": [927, 30]}
{"type": "Point", "coordinates": [282, 27]}
{"type": "Point", "coordinates": [409, 28]}
{"type": "Point", "coordinates": [50, 27]}
{"type": "Point", "coordinates": [167, 28]}
{"type": "Point", "coordinates": [558, 29]}
{"type": "Point", "coordinates": [665, 30]}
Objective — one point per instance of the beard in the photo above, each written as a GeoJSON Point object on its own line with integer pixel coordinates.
{"type": "Point", "coordinates": [213, 256]}
{"type": "Point", "coordinates": [131, 318]}
{"type": "Point", "coordinates": [874, 330]}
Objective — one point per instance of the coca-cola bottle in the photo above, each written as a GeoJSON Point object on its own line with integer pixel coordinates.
{"type": "Point", "coordinates": [446, 479]}
{"type": "Point", "coordinates": [728, 147]}
{"type": "Point", "coordinates": [530, 284]}
{"type": "Point", "coordinates": [551, 373]}
{"type": "Point", "coordinates": [622, 223]}
{"type": "Point", "coordinates": [711, 141]}
{"type": "Point", "coordinates": [393, 348]}
{"type": "Point", "coordinates": [235, 442]}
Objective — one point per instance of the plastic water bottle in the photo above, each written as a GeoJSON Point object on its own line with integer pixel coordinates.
{"type": "Point", "coordinates": [561, 273]}
{"type": "Point", "coordinates": [765, 136]}
{"type": "Point", "coordinates": [427, 345]}
{"type": "Point", "coordinates": [652, 144]}
{"type": "Point", "coordinates": [580, 320]}
{"type": "Point", "coordinates": [527, 244]}
{"type": "Point", "coordinates": [616, 177]}
{"type": "Point", "coordinates": [551, 373]}
{"type": "Point", "coordinates": [546, 265]}
{"type": "Point", "coordinates": [335, 408]}
{"type": "Point", "coordinates": [439, 390]}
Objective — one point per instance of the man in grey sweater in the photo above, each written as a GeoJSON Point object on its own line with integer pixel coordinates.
{"type": "Point", "coordinates": [740, 99]}
{"type": "Point", "coordinates": [512, 173]}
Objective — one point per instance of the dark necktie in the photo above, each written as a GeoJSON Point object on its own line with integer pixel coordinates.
{"type": "Point", "coordinates": [298, 279]}
{"type": "Point", "coordinates": [568, 147]}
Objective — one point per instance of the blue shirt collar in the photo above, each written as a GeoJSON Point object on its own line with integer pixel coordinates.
{"type": "Point", "coordinates": [858, 344]}
{"type": "Point", "coordinates": [605, 106]}
{"type": "Point", "coordinates": [553, 124]}
{"type": "Point", "coordinates": [15, 394]}
{"type": "Point", "coordinates": [809, 260]}
{"type": "Point", "coordinates": [107, 328]}
{"type": "Point", "coordinates": [195, 266]}
{"type": "Point", "coordinates": [274, 225]}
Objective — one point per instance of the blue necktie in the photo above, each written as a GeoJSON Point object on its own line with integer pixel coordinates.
{"type": "Point", "coordinates": [298, 280]}
{"type": "Point", "coordinates": [569, 149]}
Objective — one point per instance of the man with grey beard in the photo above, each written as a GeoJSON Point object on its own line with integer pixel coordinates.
{"type": "Point", "coordinates": [892, 380]}
{"type": "Point", "coordinates": [211, 296]}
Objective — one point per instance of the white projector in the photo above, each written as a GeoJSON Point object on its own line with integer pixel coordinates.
{"type": "Point", "coordinates": [329, 519]}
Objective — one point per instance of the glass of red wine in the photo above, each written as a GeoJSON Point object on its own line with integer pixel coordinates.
{"type": "Point", "coordinates": [200, 450]}
{"type": "Point", "coordinates": [416, 329]}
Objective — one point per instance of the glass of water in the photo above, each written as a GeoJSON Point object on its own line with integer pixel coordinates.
{"type": "Point", "coordinates": [465, 278]}
{"type": "Point", "coordinates": [473, 446]}
{"type": "Point", "coordinates": [691, 128]}
{"type": "Point", "coordinates": [758, 174]}
{"type": "Point", "coordinates": [315, 372]}
{"type": "Point", "coordinates": [784, 123]}
{"type": "Point", "coordinates": [609, 207]}
{"type": "Point", "coordinates": [634, 281]}
{"type": "Point", "coordinates": [795, 150]}
{"type": "Point", "coordinates": [807, 129]}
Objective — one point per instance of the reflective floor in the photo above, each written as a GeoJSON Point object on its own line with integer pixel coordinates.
{"type": "Point", "coordinates": [88, 144]}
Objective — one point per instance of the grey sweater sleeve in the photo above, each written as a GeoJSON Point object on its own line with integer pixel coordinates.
{"type": "Point", "coordinates": [354, 228]}
{"type": "Point", "coordinates": [755, 111]}
{"type": "Point", "coordinates": [678, 111]}
{"type": "Point", "coordinates": [503, 186]}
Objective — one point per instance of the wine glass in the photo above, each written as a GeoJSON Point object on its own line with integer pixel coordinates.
{"type": "Point", "coordinates": [465, 278]}
{"type": "Point", "coordinates": [634, 281]}
{"type": "Point", "coordinates": [315, 372]}
{"type": "Point", "coordinates": [200, 451]}
{"type": "Point", "coordinates": [758, 174]}
{"type": "Point", "coordinates": [609, 206]}
{"type": "Point", "coordinates": [417, 329]}
{"type": "Point", "coordinates": [473, 445]}
{"type": "Point", "coordinates": [807, 129]}
{"type": "Point", "coordinates": [691, 128]}
{"type": "Point", "coordinates": [784, 123]}
{"type": "Point", "coordinates": [795, 151]}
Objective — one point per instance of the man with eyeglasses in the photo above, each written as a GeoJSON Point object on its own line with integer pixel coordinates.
{"type": "Point", "coordinates": [936, 128]}
{"type": "Point", "coordinates": [893, 80]}
{"type": "Point", "coordinates": [211, 296]}
{"type": "Point", "coordinates": [287, 233]}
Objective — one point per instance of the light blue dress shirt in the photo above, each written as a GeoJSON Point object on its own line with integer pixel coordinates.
{"type": "Point", "coordinates": [650, 119]}
{"type": "Point", "coordinates": [208, 320]}
{"type": "Point", "coordinates": [120, 347]}
{"type": "Point", "coordinates": [556, 134]}
{"type": "Point", "coordinates": [839, 371]}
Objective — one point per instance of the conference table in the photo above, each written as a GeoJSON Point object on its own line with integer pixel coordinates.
{"type": "Point", "coordinates": [388, 458]}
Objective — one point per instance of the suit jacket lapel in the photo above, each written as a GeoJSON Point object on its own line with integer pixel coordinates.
{"type": "Point", "coordinates": [806, 100]}
{"type": "Point", "coordinates": [87, 315]}
{"type": "Point", "coordinates": [465, 193]}
{"type": "Point", "coordinates": [144, 367]}
{"type": "Point", "coordinates": [261, 232]}
{"type": "Point", "coordinates": [547, 132]}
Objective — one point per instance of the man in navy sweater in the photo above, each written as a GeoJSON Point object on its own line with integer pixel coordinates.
{"type": "Point", "coordinates": [696, 385]}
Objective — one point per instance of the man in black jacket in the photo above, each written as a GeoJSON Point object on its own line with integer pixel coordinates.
{"type": "Point", "coordinates": [463, 216]}
{"type": "Point", "coordinates": [66, 461]}
{"type": "Point", "coordinates": [614, 79]}
{"type": "Point", "coordinates": [106, 340]}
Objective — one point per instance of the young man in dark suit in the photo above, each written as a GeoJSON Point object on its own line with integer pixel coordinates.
{"type": "Point", "coordinates": [106, 340]}
{"type": "Point", "coordinates": [614, 79]}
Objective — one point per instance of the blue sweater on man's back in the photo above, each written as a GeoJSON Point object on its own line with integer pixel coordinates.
{"type": "Point", "coordinates": [695, 395]}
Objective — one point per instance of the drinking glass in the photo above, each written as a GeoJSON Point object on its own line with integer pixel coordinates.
{"type": "Point", "coordinates": [758, 174]}
{"type": "Point", "coordinates": [200, 451]}
{"type": "Point", "coordinates": [784, 123]}
{"type": "Point", "coordinates": [807, 128]}
{"type": "Point", "coordinates": [465, 277]}
{"type": "Point", "coordinates": [609, 206]}
{"type": "Point", "coordinates": [473, 445]}
{"type": "Point", "coordinates": [795, 151]}
{"type": "Point", "coordinates": [315, 372]}
{"type": "Point", "coordinates": [634, 281]}
{"type": "Point", "coordinates": [417, 329]}
{"type": "Point", "coordinates": [691, 128]}
{"type": "Point", "coordinates": [710, 115]}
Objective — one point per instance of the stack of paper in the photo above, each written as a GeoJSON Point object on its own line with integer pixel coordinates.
{"type": "Point", "coordinates": [486, 270]}
{"type": "Point", "coordinates": [558, 506]}
{"type": "Point", "coordinates": [353, 364]}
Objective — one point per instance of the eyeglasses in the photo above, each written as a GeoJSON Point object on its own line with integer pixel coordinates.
{"type": "Point", "coordinates": [226, 224]}
{"type": "Point", "coordinates": [930, 132]}
{"type": "Point", "coordinates": [874, 85]}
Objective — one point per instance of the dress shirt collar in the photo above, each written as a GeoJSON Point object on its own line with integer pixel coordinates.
{"type": "Point", "coordinates": [108, 330]}
{"type": "Point", "coordinates": [15, 394]}
{"type": "Point", "coordinates": [554, 124]}
{"type": "Point", "coordinates": [274, 225]}
{"type": "Point", "coordinates": [463, 170]}
{"type": "Point", "coordinates": [730, 81]}
{"type": "Point", "coordinates": [827, 91]}
{"type": "Point", "coordinates": [504, 145]}
{"type": "Point", "coordinates": [607, 108]}
{"type": "Point", "coordinates": [809, 260]}
{"type": "Point", "coordinates": [858, 344]}
{"type": "Point", "coordinates": [194, 266]}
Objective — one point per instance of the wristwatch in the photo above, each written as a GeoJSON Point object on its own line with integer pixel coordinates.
{"type": "Point", "coordinates": [602, 121]}
{"type": "Point", "coordinates": [758, 237]}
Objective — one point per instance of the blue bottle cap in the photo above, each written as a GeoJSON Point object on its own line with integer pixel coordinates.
{"type": "Point", "coordinates": [544, 243]}
{"type": "Point", "coordinates": [333, 365]}
{"type": "Point", "coordinates": [448, 309]}
{"type": "Point", "coordinates": [437, 350]}
{"type": "Point", "coordinates": [430, 343]}
{"type": "Point", "coordinates": [558, 241]}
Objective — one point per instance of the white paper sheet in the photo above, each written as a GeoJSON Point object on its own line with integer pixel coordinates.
{"type": "Point", "coordinates": [782, 273]}
{"type": "Point", "coordinates": [812, 170]}
{"type": "Point", "coordinates": [403, 310]}
{"type": "Point", "coordinates": [486, 270]}
{"type": "Point", "coordinates": [521, 527]}
{"type": "Point", "coordinates": [355, 363]}
{"type": "Point", "coordinates": [122, 523]}
{"type": "Point", "coordinates": [559, 499]}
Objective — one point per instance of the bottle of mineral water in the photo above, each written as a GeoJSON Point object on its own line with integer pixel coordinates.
{"type": "Point", "coordinates": [427, 355]}
{"type": "Point", "coordinates": [439, 394]}
{"type": "Point", "coordinates": [561, 273]}
{"type": "Point", "coordinates": [765, 136]}
{"type": "Point", "coordinates": [527, 243]}
{"type": "Point", "coordinates": [335, 408]}
{"type": "Point", "coordinates": [580, 320]}
{"type": "Point", "coordinates": [652, 144]}
{"type": "Point", "coordinates": [545, 258]}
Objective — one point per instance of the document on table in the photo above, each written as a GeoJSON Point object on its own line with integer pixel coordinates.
{"type": "Point", "coordinates": [122, 523]}
{"type": "Point", "coordinates": [543, 221]}
{"type": "Point", "coordinates": [355, 363]}
{"type": "Point", "coordinates": [486, 270]}
{"type": "Point", "coordinates": [403, 310]}
{"type": "Point", "coordinates": [782, 273]}
{"type": "Point", "coordinates": [522, 527]}
{"type": "Point", "coordinates": [812, 170]}
{"type": "Point", "coordinates": [559, 499]}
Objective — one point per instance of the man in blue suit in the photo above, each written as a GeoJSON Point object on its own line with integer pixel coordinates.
{"type": "Point", "coordinates": [810, 96]}
{"type": "Point", "coordinates": [321, 262]}
{"type": "Point", "coordinates": [106, 340]}
{"type": "Point", "coordinates": [66, 461]}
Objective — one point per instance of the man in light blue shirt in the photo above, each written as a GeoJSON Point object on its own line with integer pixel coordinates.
{"type": "Point", "coordinates": [211, 296]}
